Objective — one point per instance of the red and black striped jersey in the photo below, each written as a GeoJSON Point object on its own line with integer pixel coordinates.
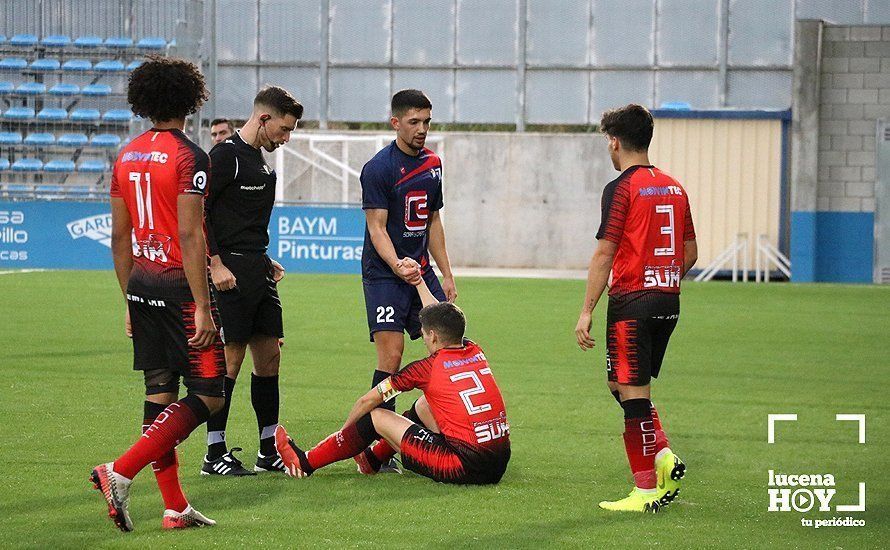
{"type": "Point", "coordinates": [646, 213]}
{"type": "Point", "coordinates": [462, 393]}
{"type": "Point", "coordinates": [149, 175]}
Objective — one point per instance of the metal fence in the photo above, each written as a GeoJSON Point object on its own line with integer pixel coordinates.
{"type": "Point", "coordinates": [515, 61]}
{"type": "Point", "coordinates": [512, 62]}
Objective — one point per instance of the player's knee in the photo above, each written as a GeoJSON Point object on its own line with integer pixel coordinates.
{"type": "Point", "coordinates": [390, 360]}
{"type": "Point", "coordinates": [214, 404]}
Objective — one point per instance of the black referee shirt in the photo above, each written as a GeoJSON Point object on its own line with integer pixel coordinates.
{"type": "Point", "coordinates": [239, 198]}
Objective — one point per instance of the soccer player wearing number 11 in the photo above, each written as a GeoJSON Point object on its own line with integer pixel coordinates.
{"type": "Point", "coordinates": [647, 241]}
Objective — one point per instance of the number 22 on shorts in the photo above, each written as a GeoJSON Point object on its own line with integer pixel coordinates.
{"type": "Point", "coordinates": [385, 313]}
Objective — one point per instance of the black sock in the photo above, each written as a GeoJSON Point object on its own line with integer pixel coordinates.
{"type": "Point", "coordinates": [216, 425]}
{"type": "Point", "coordinates": [617, 396]}
{"type": "Point", "coordinates": [380, 376]}
{"type": "Point", "coordinates": [264, 397]}
{"type": "Point", "coordinates": [150, 412]}
{"type": "Point", "coordinates": [197, 406]}
{"type": "Point", "coordinates": [411, 414]}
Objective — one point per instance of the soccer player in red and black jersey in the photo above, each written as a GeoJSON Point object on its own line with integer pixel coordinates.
{"type": "Point", "coordinates": [157, 196]}
{"type": "Point", "coordinates": [457, 432]}
{"type": "Point", "coordinates": [646, 243]}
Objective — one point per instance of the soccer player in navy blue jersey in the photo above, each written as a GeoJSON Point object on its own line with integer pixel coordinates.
{"type": "Point", "coordinates": [402, 197]}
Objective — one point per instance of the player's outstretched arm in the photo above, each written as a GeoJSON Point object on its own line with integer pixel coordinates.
{"type": "Point", "coordinates": [597, 279]}
{"type": "Point", "coordinates": [364, 405]}
{"type": "Point", "coordinates": [376, 219]}
{"type": "Point", "coordinates": [190, 209]}
{"type": "Point", "coordinates": [426, 297]}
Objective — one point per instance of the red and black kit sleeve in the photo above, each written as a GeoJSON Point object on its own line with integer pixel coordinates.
{"type": "Point", "coordinates": [192, 168]}
{"type": "Point", "coordinates": [413, 375]}
{"type": "Point", "coordinates": [689, 232]}
{"type": "Point", "coordinates": [615, 206]}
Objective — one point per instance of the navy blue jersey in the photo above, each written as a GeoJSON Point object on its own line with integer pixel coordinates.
{"type": "Point", "coordinates": [408, 188]}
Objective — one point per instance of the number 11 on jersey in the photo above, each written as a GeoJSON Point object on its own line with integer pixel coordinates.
{"type": "Point", "coordinates": [143, 202]}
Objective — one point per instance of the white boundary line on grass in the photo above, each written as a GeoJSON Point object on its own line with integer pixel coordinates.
{"type": "Point", "coordinates": [15, 271]}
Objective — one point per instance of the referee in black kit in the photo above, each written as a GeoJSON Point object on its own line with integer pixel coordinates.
{"type": "Point", "coordinates": [239, 204]}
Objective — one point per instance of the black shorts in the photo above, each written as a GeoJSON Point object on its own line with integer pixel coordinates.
{"type": "Point", "coordinates": [394, 305]}
{"type": "Point", "coordinates": [432, 455]}
{"type": "Point", "coordinates": [253, 306]}
{"type": "Point", "coordinates": [635, 348]}
{"type": "Point", "coordinates": [161, 330]}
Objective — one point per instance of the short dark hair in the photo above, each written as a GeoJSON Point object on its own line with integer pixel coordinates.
{"type": "Point", "coordinates": [409, 99]}
{"type": "Point", "coordinates": [225, 121]}
{"type": "Point", "coordinates": [166, 88]}
{"type": "Point", "coordinates": [279, 100]}
{"type": "Point", "coordinates": [631, 124]}
{"type": "Point", "coordinates": [446, 319]}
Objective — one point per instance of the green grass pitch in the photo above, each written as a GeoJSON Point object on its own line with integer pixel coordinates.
{"type": "Point", "coordinates": [69, 400]}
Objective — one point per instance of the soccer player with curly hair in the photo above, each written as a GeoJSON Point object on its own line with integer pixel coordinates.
{"type": "Point", "coordinates": [157, 197]}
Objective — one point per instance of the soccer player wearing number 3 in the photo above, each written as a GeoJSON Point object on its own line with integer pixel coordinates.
{"type": "Point", "coordinates": [647, 241]}
{"type": "Point", "coordinates": [402, 197]}
{"type": "Point", "coordinates": [457, 432]}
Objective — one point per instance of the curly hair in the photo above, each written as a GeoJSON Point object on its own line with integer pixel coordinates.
{"type": "Point", "coordinates": [166, 88]}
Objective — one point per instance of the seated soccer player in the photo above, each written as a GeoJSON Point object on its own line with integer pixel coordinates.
{"type": "Point", "coordinates": [457, 432]}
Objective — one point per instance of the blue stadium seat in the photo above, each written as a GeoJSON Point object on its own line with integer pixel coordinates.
{"type": "Point", "coordinates": [73, 140]}
{"type": "Point", "coordinates": [77, 65]}
{"type": "Point", "coordinates": [106, 140]}
{"type": "Point", "coordinates": [59, 165]}
{"type": "Point", "coordinates": [27, 165]}
{"type": "Point", "coordinates": [87, 41]}
{"type": "Point", "coordinates": [40, 140]}
{"type": "Point", "coordinates": [19, 188]}
{"type": "Point", "coordinates": [84, 115]}
{"type": "Point", "coordinates": [96, 90]}
{"type": "Point", "coordinates": [676, 106]}
{"type": "Point", "coordinates": [65, 88]}
{"type": "Point", "coordinates": [109, 65]}
{"type": "Point", "coordinates": [31, 88]}
{"type": "Point", "coordinates": [52, 114]}
{"type": "Point", "coordinates": [134, 64]}
{"type": "Point", "coordinates": [56, 41]}
{"type": "Point", "coordinates": [118, 42]}
{"type": "Point", "coordinates": [4, 163]}
{"type": "Point", "coordinates": [50, 191]}
{"type": "Point", "coordinates": [80, 190]}
{"type": "Point", "coordinates": [92, 166]}
{"type": "Point", "coordinates": [13, 64]}
{"type": "Point", "coordinates": [26, 40]}
{"type": "Point", "coordinates": [6, 88]}
{"type": "Point", "coordinates": [10, 138]}
{"type": "Point", "coordinates": [46, 64]}
{"type": "Point", "coordinates": [152, 43]}
{"type": "Point", "coordinates": [118, 115]}
{"type": "Point", "coordinates": [19, 113]}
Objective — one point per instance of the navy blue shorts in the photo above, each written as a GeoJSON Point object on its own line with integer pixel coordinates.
{"type": "Point", "coordinates": [395, 305]}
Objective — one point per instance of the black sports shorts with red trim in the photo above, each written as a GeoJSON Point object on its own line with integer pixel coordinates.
{"type": "Point", "coordinates": [432, 455]}
{"type": "Point", "coordinates": [161, 330]}
{"type": "Point", "coordinates": [638, 329]}
{"type": "Point", "coordinates": [253, 306]}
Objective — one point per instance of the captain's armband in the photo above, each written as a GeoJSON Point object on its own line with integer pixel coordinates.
{"type": "Point", "coordinates": [386, 390]}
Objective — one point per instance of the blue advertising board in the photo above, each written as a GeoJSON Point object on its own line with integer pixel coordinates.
{"type": "Point", "coordinates": [77, 235]}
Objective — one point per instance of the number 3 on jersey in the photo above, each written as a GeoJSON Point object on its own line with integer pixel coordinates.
{"type": "Point", "coordinates": [666, 229]}
{"type": "Point", "coordinates": [384, 314]}
{"type": "Point", "coordinates": [143, 202]}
